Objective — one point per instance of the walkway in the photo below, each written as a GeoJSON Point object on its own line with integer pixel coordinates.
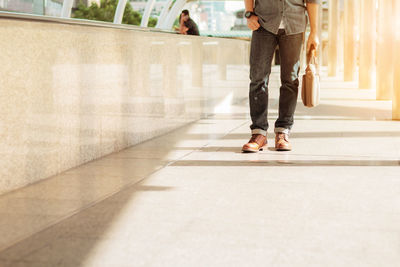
{"type": "Point", "coordinates": [190, 198]}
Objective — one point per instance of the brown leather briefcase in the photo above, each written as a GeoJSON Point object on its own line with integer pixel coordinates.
{"type": "Point", "coordinates": [310, 85]}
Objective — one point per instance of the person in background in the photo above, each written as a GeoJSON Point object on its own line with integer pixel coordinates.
{"type": "Point", "coordinates": [187, 25]}
{"type": "Point", "coordinates": [276, 23]}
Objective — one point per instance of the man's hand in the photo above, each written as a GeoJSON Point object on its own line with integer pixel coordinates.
{"type": "Point", "coordinates": [313, 40]}
{"type": "Point", "coordinates": [312, 10]}
{"type": "Point", "coordinates": [183, 29]}
{"type": "Point", "coordinates": [252, 23]}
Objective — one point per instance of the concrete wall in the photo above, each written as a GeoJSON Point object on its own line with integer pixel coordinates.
{"type": "Point", "coordinates": [70, 93]}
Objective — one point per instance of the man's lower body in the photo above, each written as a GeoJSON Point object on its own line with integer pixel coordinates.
{"type": "Point", "coordinates": [263, 45]}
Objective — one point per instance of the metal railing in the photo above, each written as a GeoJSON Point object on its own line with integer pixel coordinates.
{"type": "Point", "coordinates": [93, 23]}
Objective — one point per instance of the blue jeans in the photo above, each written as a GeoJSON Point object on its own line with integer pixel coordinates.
{"type": "Point", "coordinates": [263, 46]}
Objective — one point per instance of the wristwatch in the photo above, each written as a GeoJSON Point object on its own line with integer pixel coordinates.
{"type": "Point", "coordinates": [248, 14]}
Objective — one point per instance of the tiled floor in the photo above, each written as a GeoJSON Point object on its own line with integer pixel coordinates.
{"type": "Point", "coordinates": [190, 198]}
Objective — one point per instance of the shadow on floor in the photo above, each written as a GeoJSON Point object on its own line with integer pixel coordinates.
{"type": "Point", "coordinates": [350, 134]}
{"type": "Point", "coordinates": [71, 241]}
{"type": "Point", "coordinates": [328, 110]}
{"type": "Point", "coordinates": [286, 163]}
{"type": "Point", "coordinates": [294, 135]}
{"type": "Point", "coordinates": [325, 110]}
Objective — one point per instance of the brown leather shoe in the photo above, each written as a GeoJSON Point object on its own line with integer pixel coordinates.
{"type": "Point", "coordinates": [256, 143]}
{"type": "Point", "coordinates": [282, 142]}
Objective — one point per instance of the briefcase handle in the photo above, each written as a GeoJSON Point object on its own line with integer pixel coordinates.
{"type": "Point", "coordinates": [311, 55]}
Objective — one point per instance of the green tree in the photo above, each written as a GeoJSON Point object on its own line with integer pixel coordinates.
{"type": "Point", "coordinates": [152, 22]}
{"type": "Point", "coordinates": [106, 11]}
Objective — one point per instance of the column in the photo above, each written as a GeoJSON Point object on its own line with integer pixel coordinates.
{"type": "Point", "coordinates": [147, 12]}
{"type": "Point", "coordinates": [164, 13]}
{"type": "Point", "coordinates": [384, 73]}
{"type": "Point", "coordinates": [66, 8]}
{"type": "Point", "coordinates": [341, 37]}
{"type": "Point", "coordinates": [333, 43]}
{"type": "Point", "coordinates": [320, 24]}
{"type": "Point", "coordinates": [367, 44]}
{"type": "Point", "coordinates": [349, 40]}
{"type": "Point", "coordinates": [396, 84]}
{"type": "Point", "coordinates": [119, 13]}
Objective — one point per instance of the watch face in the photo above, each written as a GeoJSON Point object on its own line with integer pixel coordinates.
{"type": "Point", "coordinates": [248, 14]}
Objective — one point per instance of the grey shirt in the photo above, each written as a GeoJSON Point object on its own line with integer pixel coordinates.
{"type": "Point", "coordinates": [292, 12]}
